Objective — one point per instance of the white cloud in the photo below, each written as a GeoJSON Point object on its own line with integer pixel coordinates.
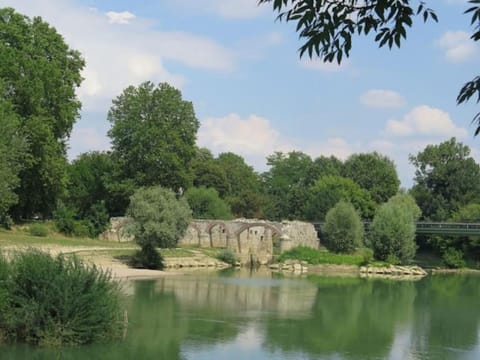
{"type": "Point", "coordinates": [319, 65]}
{"type": "Point", "coordinates": [381, 98]}
{"type": "Point", "coordinates": [253, 135]}
{"type": "Point", "coordinates": [87, 139]}
{"type": "Point", "coordinates": [255, 138]}
{"type": "Point", "coordinates": [123, 18]}
{"type": "Point", "coordinates": [426, 121]}
{"type": "Point", "coordinates": [458, 46]}
{"type": "Point", "coordinates": [118, 56]}
{"type": "Point", "coordinates": [337, 147]}
{"type": "Point", "coordinates": [231, 9]}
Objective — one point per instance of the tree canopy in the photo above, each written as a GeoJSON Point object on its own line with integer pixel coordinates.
{"type": "Point", "coordinates": [327, 27]}
{"type": "Point", "coordinates": [40, 74]}
{"type": "Point", "coordinates": [153, 135]}
{"type": "Point", "coordinates": [446, 178]}
{"type": "Point", "coordinates": [375, 173]}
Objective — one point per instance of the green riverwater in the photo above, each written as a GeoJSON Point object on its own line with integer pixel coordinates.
{"type": "Point", "coordinates": [242, 315]}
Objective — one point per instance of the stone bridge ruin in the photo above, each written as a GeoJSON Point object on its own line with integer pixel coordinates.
{"type": "Point", "coordinates": [252, 241]}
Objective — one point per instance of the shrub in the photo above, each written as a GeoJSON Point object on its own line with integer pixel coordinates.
{"type": "Point", "coordinates": [227, 256]}
{"type": "Point", "coordinates": [343, 229]}
{"type": "Point", "coordinates": [314, 256]}
{"type": "Point", "coordinates": [206, 204]}
{"type": "Point", "coordinates": [58, 301]}
{"type": "Point", "coordinates": [6, 221]}
{"type": "Point", "coordinates": [98, 219]}
{"type": "Point", "coordinates": [159, 219]}
{"type": "Point", "coordinates": [147, 258]}
{"type": "Point", "coordinates": [453, 258]}
{"type": "Point", "coordinates": [392, 233]}
{"type": "Point", "coordinates": [367, 256]}
{"type": "Point", "coordinates": [64, 220]}
{"type": "Point", "coordinates": [81, 228]}
{"type": "Point", "coordinates": [38, 230]}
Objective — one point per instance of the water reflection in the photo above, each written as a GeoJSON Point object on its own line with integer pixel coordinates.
{"type": "Point", "coordinates": [264, 316]}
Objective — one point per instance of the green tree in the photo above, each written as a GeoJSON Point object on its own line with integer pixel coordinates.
{"type": "Point", "coordinates": [392, 232]}
{"type": "Point", "coordinates": [468, 246]}
{"type": "Point", "coordinates": [206, 204]}
{"type": "Point", "coordinates": [326, 27]}
{"type": "Point", "coordinates": [87, 181]}
{"type": "Point", "coordinates": [153, 135]}
{"type": "Point", "coordinates": [446, 178]}
{"type": "Point", "coordinates": [12, 147]}
{"type": "Point", "coordinates": [343, 228]}
{"type": "Point", "coordinates": [159, 219]}
{"type": "Point", "coordinates": [329, 190]}
{"type": "Point", "coordinates": [375, 173]}
{"type": "Point", "coordinates": [41, 74]}
{"type": "Point", "coordinates": [323, 166]}
{"type": "Point", "coordinates": [208, 173]}
{"type": "Point", "coordinates": [244, 186]}
{"type": "Point", "coordinates": [285, 184]}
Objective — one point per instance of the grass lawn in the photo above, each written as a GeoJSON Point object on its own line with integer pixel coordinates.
{"type": "Point", "coordinates": [20, 236]}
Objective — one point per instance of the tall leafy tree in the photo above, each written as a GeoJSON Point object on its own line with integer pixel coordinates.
{"type": "Point", "coordinates": [375, 173]}
{"type": "Point", "coordinates": [209, 173]}
{"type": "Point", "coordinates": [329, 190]}
{"type": "Point", "coordinates": [286, 184]}
{"type": "Point", "coordinates": [12, 147]}
{"type": "Point", "coordinates": [446, 178]}
{"type": "Point", "coordinates": [244, 186]}
{"type": "Point", "coordinates": [41, 74]}
{"type": "Point", "coordinates": [153, 135]}
{"type": "Point", "coordinates": [87, 181]}
{"type": "Point", "coordinates": [327, 27]}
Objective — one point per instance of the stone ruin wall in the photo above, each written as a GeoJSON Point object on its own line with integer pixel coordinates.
{"type": "Point", "coordinates": [251, 240]}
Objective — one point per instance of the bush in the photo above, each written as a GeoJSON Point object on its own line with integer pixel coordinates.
{"type": "Point", "coordinates": [64, 220]}
{"type": "Point", "coordinates": [58, 301]}
{"type": "Point", "coordinates": [158, 219]}
{"type": "Point", "coordinates": [6, 221]}
{"type": "Point", "coordinates": [343, 229]}
{"type": "Point", "coordinates": [98, 219]}
{"type": "Point", "coordinates": [392, 233]}
{"type": "Point", "coordinates": [38, 230]}
{"type": "Point", "coordinates": [367, 256]}
{"type": "Point", "coordinates": [453, 258]}
{"type": "Point", "coordinates": [81, 228]}
{"type": "Point", "coordinates": [147, 258]}
{"type": "Point", "coordinates": [227, 256]}
{"type": "Point", "coordinates": [314, 256]}
{"type": "Point", "coordinates": [206, 204]}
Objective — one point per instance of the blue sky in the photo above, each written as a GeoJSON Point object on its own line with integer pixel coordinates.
{"type": "Point", "coordinates": [252, 93]}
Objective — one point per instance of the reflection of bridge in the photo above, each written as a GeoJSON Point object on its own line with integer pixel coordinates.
{"type": "Point", "coordinates": [432, 228]}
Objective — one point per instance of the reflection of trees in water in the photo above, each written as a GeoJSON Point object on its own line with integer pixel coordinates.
{"type": "Point", "coordinates": [362, 319]}
{"type": "Point", "coordinates": [447, 315]}
{"type": "Point", "coordinates": [353, 317]}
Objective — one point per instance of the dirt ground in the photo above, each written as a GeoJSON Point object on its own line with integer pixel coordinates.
{"type": "Point", "coordinates": [97, 256]}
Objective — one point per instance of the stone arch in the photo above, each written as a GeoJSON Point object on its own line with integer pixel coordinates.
{"type": "Point", "coordinates": [215, 223]}
{"type": "Point", "coordinates": [192, 235]}
{"type": "Point", "coordinates": [246, 226]}
{"type": "Point", "coordinates": [258, 241]}
{"type": "Point", "coordinates": [218, 238]}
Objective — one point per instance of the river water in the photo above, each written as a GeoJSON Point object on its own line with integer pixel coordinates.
{"type": "Point", "coordinates": [259, 315]}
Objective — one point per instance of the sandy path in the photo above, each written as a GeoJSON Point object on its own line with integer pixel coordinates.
{"type": "Point", "coordinates": [96, 255]}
